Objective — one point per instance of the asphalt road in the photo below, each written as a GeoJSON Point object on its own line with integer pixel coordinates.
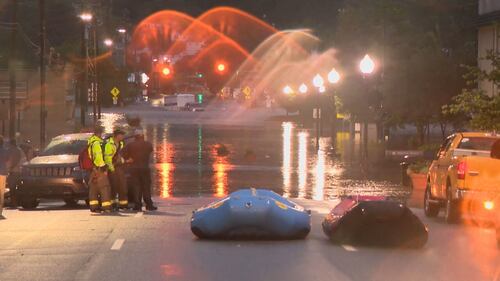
{"type": "Point", "coordinates": [55, 243]}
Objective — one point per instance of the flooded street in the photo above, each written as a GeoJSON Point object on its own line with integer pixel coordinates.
{"type": "Point", "coordinates": [214, 160]}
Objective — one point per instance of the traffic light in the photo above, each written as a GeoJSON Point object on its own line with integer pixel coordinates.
{"type": "Point", "coordinates": [199, 75]}
{"type": "Point", "coordinates": [221, 67]}
{"type": "Point", "coordinates": [166, 71]}
{"type": "Point", "coordinates": [199, 97]}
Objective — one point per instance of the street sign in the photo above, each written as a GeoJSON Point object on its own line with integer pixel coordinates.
{"type": "Point", "coordinates": [115, 100]}
{"type": "Point", "coordinates": [115, 92]}
{"type": "Point", "coordinates": [247, 91]}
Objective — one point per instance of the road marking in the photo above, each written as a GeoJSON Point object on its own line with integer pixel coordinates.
{"type": "Point", "coordinates": [138, 215]}
{"type": "Point", "coordinates": [118, 244]}
{"type": "Point", "coordinates": [349, 248]}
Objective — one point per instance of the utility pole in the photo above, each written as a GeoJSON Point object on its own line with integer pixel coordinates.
{"type": "Point", "coordinates": [12, 72]}
{"type": "Point", "coordinates": [94, 71]}
{"type": "Point", "coordinates": [43, 114]}
{"type": "Point", "coordinates": [83, 85]}
{"type": "Point", "coordinates": [97, 81]}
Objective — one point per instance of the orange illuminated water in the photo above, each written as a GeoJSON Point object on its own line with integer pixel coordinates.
{"type": "Point", "coordinates": [196, 44]}
{"type": "Point", "coordinates": [256, 54]}
{"type": "Point", "coordinates": [221, 167]}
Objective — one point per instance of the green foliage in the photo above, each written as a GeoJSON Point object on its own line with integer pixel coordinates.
{"type": "Point", "coordinates": [481, 110]}
{"type": "Point", "coordinates": [419, 47]}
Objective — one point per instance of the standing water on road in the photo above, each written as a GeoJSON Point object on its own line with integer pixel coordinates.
{"type": "Point", "coordinates": [201, 160]}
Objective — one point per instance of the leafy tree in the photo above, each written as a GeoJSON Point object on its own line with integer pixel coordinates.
{"type": "Point", "coordinates": [419, 46]}
{"type": "Point", "coordinates": [481, 110]}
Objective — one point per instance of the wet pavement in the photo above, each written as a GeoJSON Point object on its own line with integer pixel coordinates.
{"type": "Point", "coordinates": [55, 243]}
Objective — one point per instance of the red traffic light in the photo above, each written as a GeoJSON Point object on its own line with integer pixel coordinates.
{"type": "Point", "coordinates": [221, 67]}
{"type": "Point", "coordinates": [166, 71]}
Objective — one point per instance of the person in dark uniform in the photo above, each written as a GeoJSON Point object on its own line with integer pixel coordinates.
{"type": "Point", "coordinates": [137, 154]}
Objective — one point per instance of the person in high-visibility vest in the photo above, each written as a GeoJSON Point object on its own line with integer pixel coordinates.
{"type": "Point", "coordinates": [98, 184]}
{"type": "Point", "coordinates": [116, 171]}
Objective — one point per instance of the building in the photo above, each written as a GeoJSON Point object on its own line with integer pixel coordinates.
{"type": "Point", "coordinates": [59, 103]}
{"type": "Point", "coordinates": [488, 37]}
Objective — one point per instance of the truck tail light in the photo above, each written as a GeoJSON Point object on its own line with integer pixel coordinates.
{"type": "Point", "coordinates": [461, 170]}
{"type": "Point", "coordinates": [489, 205]}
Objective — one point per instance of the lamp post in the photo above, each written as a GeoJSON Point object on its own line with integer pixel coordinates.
{"type": "Point", "coordinates": [318, 82]}
{"type": "Point", "coordinates": [86, 19]}
{"type": "Point", "coordinates": [366, 66]}
{"type": "Point", "coordinates": [303, 88]}
{"type": "Point", "coordinates": [43, 112]}
{"type": "Point", "coordinates": [123, 33]}
{"type": "Point", "coordinates": [287, 90]}
{"type": "Point", "coordinates": [108, 42]}
{"type": "Point", "coordinates": [334, 78]}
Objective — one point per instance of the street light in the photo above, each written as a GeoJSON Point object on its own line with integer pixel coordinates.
{"type": "Point", "coordinates": [108, 42]}
{"type": "Point", "coordinates": [303, 88]}
{"type": "Point", "coordinates": [318, 81]}
{"type": "Point", "coordinates": [367, 65]}
{"type": "Point", "coordinates": [86, 17]}
{"type": "Point", "coordinates": [287, 90]}
{"type": "Point", "coordinates": [333, 76]}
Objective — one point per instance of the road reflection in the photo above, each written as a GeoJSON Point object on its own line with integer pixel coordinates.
{"type": "Point", "coordinates": [319, 182]}
{"type": "Point", "coordinates": [283, 158]}
{"type": "Point", "coordinates": [302, 169]}
{"type": "Point", "coordinates": [220, 178]}
{"type": "Point", "coordinates": [164, 153]}
{"type": "Point", "coordinates": [287, 157]}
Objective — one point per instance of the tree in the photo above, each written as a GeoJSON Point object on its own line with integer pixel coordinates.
{"type": "Point", "coordinates": [420, 46]}
{"type": "Point", "coordinates": [481, 110]}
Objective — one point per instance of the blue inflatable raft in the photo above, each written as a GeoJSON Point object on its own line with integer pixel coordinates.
{"type": "Point", "coordinates": [251, 213]}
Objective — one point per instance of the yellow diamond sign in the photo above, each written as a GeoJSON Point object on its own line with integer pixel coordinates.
{"type": "Point", "coordinates": [247, 91]}
{"type": "Point", "coordinates": [115, 92]}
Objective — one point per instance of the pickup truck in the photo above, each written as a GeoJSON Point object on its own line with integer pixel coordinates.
{"type": "Point", "coordinates": [464, 178]}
